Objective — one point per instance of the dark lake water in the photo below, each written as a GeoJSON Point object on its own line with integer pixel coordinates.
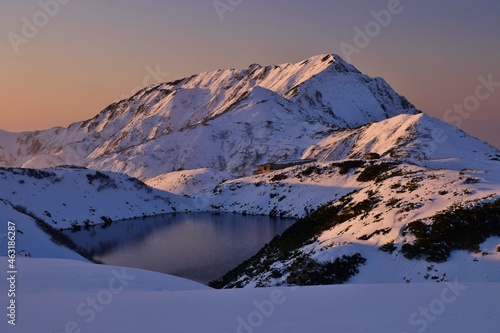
{"type": "Point", "coordinates": [198, 246]}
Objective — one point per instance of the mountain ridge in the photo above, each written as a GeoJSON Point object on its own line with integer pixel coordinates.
{"type": "Point", "coordinates": [323, 93]}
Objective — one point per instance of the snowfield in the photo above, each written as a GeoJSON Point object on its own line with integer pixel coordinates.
{"type": "Point", "coordinates": [56, 295]}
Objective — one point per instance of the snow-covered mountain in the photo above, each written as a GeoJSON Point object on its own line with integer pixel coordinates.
{"type": "Point", "coordinates": [200, 138]}
{"type": "Point", "coordinates": [226, 120]}
{"type": "Point", "coordinates": [417, 137]}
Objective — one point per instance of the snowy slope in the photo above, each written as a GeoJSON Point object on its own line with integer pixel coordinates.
{"type": "Point", "coordinates": [188, 182]}
{"type": "Point", "coordinates": [227, 120]}
{"type": "Point", "coordinates": [404, 136]}
{"type": "Point", "coordinates": [66, 195]}
{"type": "Point", "coordinates": [31, 241]}
{"type": "Point", "coordinates": [149, 302]}
{"type": "Point", "coordinates": [418, 137]}
{"type": "Point", "coordinates": [391, 195]}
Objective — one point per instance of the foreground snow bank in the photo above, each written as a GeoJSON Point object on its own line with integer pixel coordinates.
{"type": "Point", "coordinates": [94, 298]}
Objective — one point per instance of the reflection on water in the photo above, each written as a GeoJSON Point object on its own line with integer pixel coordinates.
{"type": "Point", "coordinates": [200, 247]}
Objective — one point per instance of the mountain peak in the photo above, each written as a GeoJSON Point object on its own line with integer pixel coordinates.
{"type": "Point", "coordinates": [228, 120]}
{"type": "Point", "coordinates": [329, 61]}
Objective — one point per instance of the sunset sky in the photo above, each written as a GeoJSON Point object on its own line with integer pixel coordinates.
{"type": "Point", "coordinates": [84, 55]}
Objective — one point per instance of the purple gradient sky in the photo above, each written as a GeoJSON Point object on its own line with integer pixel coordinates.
{"type": "Point", "coordinates": [94, 52]}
